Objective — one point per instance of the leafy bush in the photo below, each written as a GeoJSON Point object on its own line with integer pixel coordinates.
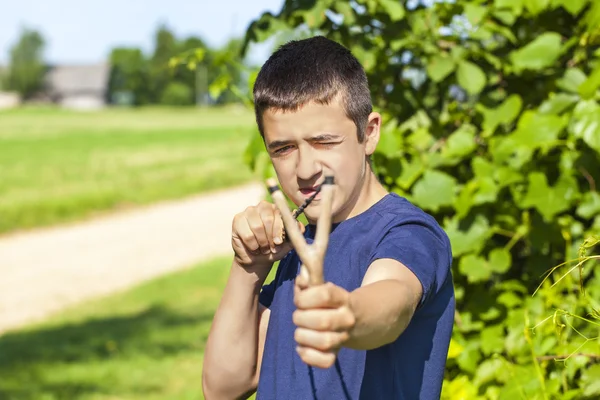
{"type": "Point", "coordinates": [177, 94]}
{"type": "Point", "coordinates": [493, 126]}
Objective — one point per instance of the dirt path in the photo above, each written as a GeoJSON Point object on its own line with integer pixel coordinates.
{"type": "Point", "coordinates": [45, 271]}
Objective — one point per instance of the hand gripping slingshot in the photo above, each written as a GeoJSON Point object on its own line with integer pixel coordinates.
{"type": "Point", "coordinates": [311, 256]}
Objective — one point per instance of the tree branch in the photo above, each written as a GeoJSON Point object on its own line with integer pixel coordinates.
{"type": "Point", "coordinates": [565, 356]}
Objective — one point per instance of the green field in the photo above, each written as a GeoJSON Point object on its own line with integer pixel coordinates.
{"type": "Point", "coordinates": [58, 166]}
{"type": "Point", "coordinates": [146, 343]}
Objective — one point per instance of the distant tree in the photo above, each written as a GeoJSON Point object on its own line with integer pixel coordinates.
{"type": "Point", "coordinates": [129, 76]}
{"type": "Point", "coordinates": [26, 69]}
{"type": "Point", "coordinates": [165, 47]}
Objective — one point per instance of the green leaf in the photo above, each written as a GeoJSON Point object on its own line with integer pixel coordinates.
{"type": "Point", "coordinates": [488, 370]}
{"type": "Point", "coordinates": [591, 381]}
{"type": "Point", "coordinates": [411, 171]}
{"type": "Point", "coordinates": [510, 300]}
{"type": "Point", "coordinates": [541, 53]}
{"type": "Point", "coordinates": [572, 80]}
{"type": "Point", "coordinates": [558, 103]}
{"type": "Point", "coordinates": [539, 130]}
{"type": "Point", "coordinates": [393, 8]}
{"type": "Point", "coordinates": [492, 339]}
{"type": "Point", "coordinates": [549, 201]}
{"type": "Point", "coordinates": [315, 16]}
{"type": "Point", "coordinates": [574, 7]}
{"type": "Point", "coordinates": [469, 359]}
{"type": "Point", "coordinates": [505, 113]}
{"type": "Point", "coordinates": [586, 123]}
{"type": "Point", "coordinates": [482, 168]}
{"type": "Point", "coordinates": [434, 190]}
{"type": "Point", "coordinates": [515, 5]}
{"type": "Point", "coordinates": [471, 240]}
{"type": "Point", "coordinates": [592, 17]}
{"type": "Point", "coordinates": [475, 13]}
{"type": "Point", "coordinates": [506, 176]}
{"type": "Point", "coordinates": [499, 260]}
{"type": "Point", "coordinates": [346, 10]}
{"type": "Point", "coordinates": [440, 66]}
{"type": "Point", "coordinates": [478, 269]}
{"type": "Point", "coordinates": [507, 17]}
{"type": "Point", "coordinates": [590, 205]}
{"type": "Point", "coordinates": [470, 77]}
{"type": "Point", "coordinates": [390, 142]}
{"type": "Point", "coordinates": [473, 267]}
{"type": "Point", "coordinates": [460, 143]}
{"type": "Point", "coordinates": [506, 149]}
{"type": "Point", "coordinates": [588, 89]}
{"type": "Point", "coordinates": [536, 6]}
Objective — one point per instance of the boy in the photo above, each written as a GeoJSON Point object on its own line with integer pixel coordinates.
{"type": "Point", "coordinates": [379, 328]}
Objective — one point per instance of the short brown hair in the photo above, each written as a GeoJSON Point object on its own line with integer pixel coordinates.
{"type": "Point", "coordinates": [313, 70]}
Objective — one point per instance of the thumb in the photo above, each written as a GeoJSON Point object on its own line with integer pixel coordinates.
{"type": "Point", "coordinates": [303, 279]}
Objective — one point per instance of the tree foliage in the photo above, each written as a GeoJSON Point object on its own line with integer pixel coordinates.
{"type": "Point", "coordinates": [26, 65]}
{"type": "Point", "coordinates": [491, 124]}
{"type": "Point", "coordinates": [160, 77]}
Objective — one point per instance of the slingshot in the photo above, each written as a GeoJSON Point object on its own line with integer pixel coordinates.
{"type": "Point", "coordinates": [311, 256]}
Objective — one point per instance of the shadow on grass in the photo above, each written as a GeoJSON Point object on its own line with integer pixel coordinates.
{"type": "Point", "coordinates": [27, 356]}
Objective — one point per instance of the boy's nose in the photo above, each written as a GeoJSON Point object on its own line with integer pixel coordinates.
{"type": "Point", "coordinates": [308, 166]}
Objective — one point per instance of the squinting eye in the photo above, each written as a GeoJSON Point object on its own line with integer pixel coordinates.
{"type": "Point", "coordinates": [283, 149]}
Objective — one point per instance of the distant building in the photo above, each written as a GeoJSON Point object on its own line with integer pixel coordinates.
{"type": "Point", "coordinates": [9, 100]}
{"type": "Point", "coordinates": [81, 87]}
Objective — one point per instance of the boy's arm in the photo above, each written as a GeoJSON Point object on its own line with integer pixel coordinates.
{"type": "Point", "coordinates": [371, 316]}
{"type": "Point", "coordinates": [235, 343]}
{"type": "Point", "coordinates": [329, 317]}
{"type": "Point", "coordinates": [236, 340]}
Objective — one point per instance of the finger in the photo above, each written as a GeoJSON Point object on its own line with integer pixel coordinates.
{"type": "Point", "coordinates": [324, 341]}
{"type": "Point", "coordinates": [301, 281]}
{"type": "Point", "coordinates": [334, 320]}
{"type": "Point", "coordinates": [327, 295]}
{"type": "Point", "coordinates": [278, 231]}
{"type": "Point", "coordinates": [255, 221]}
{"type": "Point", "coordinates": [268, 214]}
{"type": "Point", "coordinates": [291, 225]}
{"type": "Point", "coordinates": [316, 358]}
{"type": "Point", "coordinates": [324, 221]}
{"type": "Point", "coordinates": [244, 232]}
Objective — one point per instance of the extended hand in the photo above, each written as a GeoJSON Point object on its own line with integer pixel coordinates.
{"type": "Point", "coordinates": [324, 320]}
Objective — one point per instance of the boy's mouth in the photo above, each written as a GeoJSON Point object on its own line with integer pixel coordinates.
{"type": "Point", "coordinates": [307, 193]}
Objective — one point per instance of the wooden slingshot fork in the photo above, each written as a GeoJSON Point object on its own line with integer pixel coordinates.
{"type": "Point", "coordinates": [311, 256]}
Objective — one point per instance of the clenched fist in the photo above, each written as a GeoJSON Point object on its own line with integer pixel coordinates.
{"type": "Point", "coordinates": [257, 236]}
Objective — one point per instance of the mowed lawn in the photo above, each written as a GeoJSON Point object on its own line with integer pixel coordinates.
{"type": "Point", "coordinates": [58, 166]}
{"type": "Point", "coordinates": [146, 343]}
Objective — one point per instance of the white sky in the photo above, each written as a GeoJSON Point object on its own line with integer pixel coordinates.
{"type": "Point", "coordinates": [84, 31]}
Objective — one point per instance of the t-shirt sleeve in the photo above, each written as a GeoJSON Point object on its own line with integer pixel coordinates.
{"type": "Point", "coordinates": [424, 248]}
{"type": "Point", "coordinates": [266, 294]}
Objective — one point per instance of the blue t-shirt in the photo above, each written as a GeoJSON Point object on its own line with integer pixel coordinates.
{"type": "Point", "coordinates": [410, 368]}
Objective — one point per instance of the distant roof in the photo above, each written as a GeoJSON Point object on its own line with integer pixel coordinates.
{"type": "Point", "coordinates": [63, 79]}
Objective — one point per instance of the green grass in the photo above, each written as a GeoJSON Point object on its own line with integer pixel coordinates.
{"type": "Point", "coordinates": [146, 343]}
{"type": "Point", "coordinates": [58, 166]}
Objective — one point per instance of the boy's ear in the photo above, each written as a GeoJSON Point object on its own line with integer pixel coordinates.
{"type": "Point", "coordinates": [372, 133]}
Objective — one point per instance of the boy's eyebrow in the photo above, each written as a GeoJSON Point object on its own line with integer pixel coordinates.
{"type": "Point", "coordinates": [324, 137]}
{"type": "Point", "coordinates": [319, 138]}
{"type": "Point", "coordinates": [278, 143]}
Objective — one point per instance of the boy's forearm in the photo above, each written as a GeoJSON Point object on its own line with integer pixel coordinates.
{"type": "Point", "coordinates": [230, 357]}
{"type": "Point", "coordinates": [382, 312]}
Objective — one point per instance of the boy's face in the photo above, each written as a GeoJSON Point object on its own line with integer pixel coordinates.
{"type": "Point", "coordinates": [316, 140]}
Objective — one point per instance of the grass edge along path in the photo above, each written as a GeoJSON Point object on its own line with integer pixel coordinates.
{"type": "Point", "coordinates": [143, 343]}
{"type": "Point", "coordinates": [58, 166]}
